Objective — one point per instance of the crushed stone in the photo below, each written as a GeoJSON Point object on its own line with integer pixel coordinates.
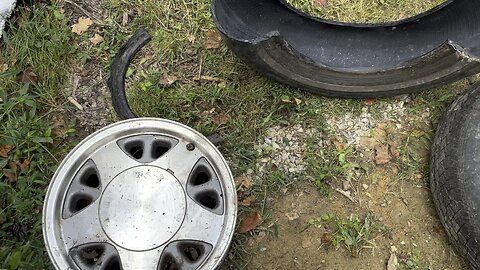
{"type": "Point", "coordinates": [352, 127]}
{"type": "Point", "coordinates": [284, 149]}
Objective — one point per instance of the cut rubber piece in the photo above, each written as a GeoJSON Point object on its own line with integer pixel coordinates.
{"type": "Point", "coordinates": [119, 68]}
{"type": "Point", "coordinates": [455, 174]}
{"type": "Point", "coordinates": [353, 60]}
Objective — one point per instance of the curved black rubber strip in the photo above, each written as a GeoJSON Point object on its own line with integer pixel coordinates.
{"type": "Point", "coordinates": [119, 68]}
{"type": "Point", "coordinates": [353, 60]}
{"type": "Point", "coordinates": [455, 174]}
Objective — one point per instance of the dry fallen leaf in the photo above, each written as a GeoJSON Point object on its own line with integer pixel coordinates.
{"type": "Point", "coordinates": [320, 3]}
{"type": "Point", "coordinates": [24, 165]}
{"type": "Point", "coordinates": [326, 238]}
{"type": "Point", "coordinates": [296, 101]}
{"type": "Point", "coordinates": [243, 181]}
{"type": "Point", "coordinates": [274, 167]}
{"type": "Point", "coordinates": [370, 101]}
{"type": "Point", "coordinates": [392, 262]}
{"type": "Point", "coordinates": [125, 18]}
{"type": "Point", "coordinates": [82, 25]}
{"type": "Point", "coordinates": [3, 67]}
{"type": "Point", "coordinates": [96, 39]}
{"type": "Point", "coordinates": [12, 178]}
{"type": "Point", "coordinates": [354, 252]}
{"type": "Point", "coordinates": [5, 149]}
{"type": "Point", "coordinates": [220, 119]}
{"type": "Point", "coordinates": [377, 136]}
{"type": "Point", "coordinates": [168, 80]}
{"type": "Point", "coordinates": [394, 150]}
{"type": "Point", "coordinates": [28, 76]}
{"type": "Point", "coordinates": [381, 154]}
{"type": "Point", "coordinates": [213, 39]}
{"type": "Point", "coordinates": [250, 222]}
{"type": "Point", "coordinates": [338, 145]}
{"type": "Point", "coordinates": [59, 126]}
{"type": "Point", "coordinates": [246, 202]}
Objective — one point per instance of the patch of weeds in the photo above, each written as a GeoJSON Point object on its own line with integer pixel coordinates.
{"type": "Point", "coordinates": [353, 233]}
{"type": "Point", "coordinates": [237, 258]}
{"type": "Point", "coordinates": [412, 261]}
{"type": "Point", "coordinates": [328, 164]}
{"type": "Point", "coordinates": [25, 172]}
{"type": "Point", "coordinates": [274, 182]}
{"type": "Point", "coordinates": [39, 42]}
{"type": "Point", "coordinates": [414, 153]}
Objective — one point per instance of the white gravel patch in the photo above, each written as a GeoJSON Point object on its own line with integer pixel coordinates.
{"type": "Point", "coordinates": [284, 149]}
{"type": "Point", "coordinates": [352, 127]}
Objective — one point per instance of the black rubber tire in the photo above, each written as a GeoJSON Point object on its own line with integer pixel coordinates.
{"type": "Point", "coordinates": [455, 174]}
{"type": "Point", "coordinates": [353, 60]}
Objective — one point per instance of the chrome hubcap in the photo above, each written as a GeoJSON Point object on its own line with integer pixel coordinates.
{"type": "Point", "coordinates": [141, 194]}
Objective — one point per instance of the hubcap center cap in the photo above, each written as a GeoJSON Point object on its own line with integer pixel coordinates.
{"type": "Point", "coordinates": [142, 208]}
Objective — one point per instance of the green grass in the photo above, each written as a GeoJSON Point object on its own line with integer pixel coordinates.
{"type": "Point", "coordinates": [22, 196]}
{"type": "Point", "coordinates": [327, 164]}
{"type": "Point", "coordinates": [353, 233]}
{"type": "Point", "coordinates": [364, 11]}
{"type": "Point", "coordinates": [412, 261]}
{"type": "Point", "coordinates": [40, 41]}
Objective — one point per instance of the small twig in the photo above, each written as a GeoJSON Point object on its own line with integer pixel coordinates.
{"type": "Point", "coordinates": [348, 196]}
{"type": "Point", "coordinates": [264, 201]}
{"type": "Point", "coordinates": [46, 150]}
{"type": "Point", "coordinates": [208, 78]}
{"type": "Point", "coordinates": [88, 14]}
{"type": "Point", "coordinates": [305, 228]}
{"type": "Point", "coordinates": [200, 69]}
{"type": "Point", "coordinates": [404, 201]}
{"type": "Point", "coordinates": [75, 103]}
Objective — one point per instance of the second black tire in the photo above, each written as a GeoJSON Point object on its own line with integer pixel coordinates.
{"type": "Point", "coordinates": [455, 174]}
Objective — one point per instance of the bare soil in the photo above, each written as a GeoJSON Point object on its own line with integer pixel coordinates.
{"type": "Point", "coordinates": [405, 208]}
